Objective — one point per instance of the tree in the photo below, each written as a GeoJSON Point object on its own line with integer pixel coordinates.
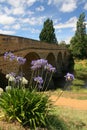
{"type": "Point", "coordinates": [63, 43]}
{"type": "Point", "coordinates": [78, 43]}
{"type": "Point", "coordinates": [48, 32]}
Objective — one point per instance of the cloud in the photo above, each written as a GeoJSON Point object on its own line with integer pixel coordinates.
{"type": "Point", "coordinates": [33, 30]}
{"type": "Point", "coordinates": [18, 11]}
{"type": "Point", "coordinates": [49, 2]}
{"type": "Point", "coordinates": [85, 6]}
{"type": "Point", "coordinates": [71, 23]}
{"type": "Point", "coordinates": [40, 8]}
{"type": "Point", "coordinates": [31, 2]}
{"type": "Point", "coordinates": [67, 40]}
{"type": "Point", "coordinates": [16, 3]}
{"type": "Point", "coordinates": [7, 32]}
{"type": "Point", "coordinates": [16, 7]}
{"type": "Point", "coordinates": [4, 19]}
{"type": "Point", "coordinates": [34, 20]}
{"type": "Point", "coordinates": [30, 12]}
{"type": "Point", "coordinates": [64, 5]}
{"type": "Point", "coordinates": [68, 6]}
{"type": "Point", "coordinates": [16, 26]}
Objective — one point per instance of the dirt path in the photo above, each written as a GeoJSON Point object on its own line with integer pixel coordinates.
{"type": "Point", "coordinates": [73, 103]}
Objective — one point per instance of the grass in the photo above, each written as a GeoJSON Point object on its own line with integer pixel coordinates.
{"type": "Point", "coordinates": [75, 119]}
{"type": "Point", "coordinates": [80, 94]}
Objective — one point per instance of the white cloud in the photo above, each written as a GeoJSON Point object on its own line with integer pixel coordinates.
{"type": "Point", "coordinates": [40, 8]}
{"type": "Point", "coordinates": [30, 12]}
{"type": "Point", "coordinates": [16, 26]}
{"type": "Point", "coordinates": [4, 19]}
{"type": "Point", "coordinates": [18, 11]}
{"type": "Point", "coordinates": [49, 2]}
{"type": "Point", "coordinates": [68, 6]}
{"type": "Point", "coordinates": [16, 7]}
{"type": "Point", "coordinates": [71, 23]}
{"type": "Point", "coordinates": [7, 10]}
{"type": "Point", "coordinates": [33, 30]}
{"type": "Point", "coordinates": [67, 40]}
{"type": "Point", "coordinates": [34, 20]}
{"type": "Point", "coordinates": [15, 3]}
{"type": "Point", "coordinates": [31, 2]}
{"type": "Point", "coordinates": [6, 27]}
{"type": "Point", "coordinates": [7, 32]}
{"type": "Point", "coordinates": [85, 6]}
{"type": "Point", "coordinates": [64, 5]}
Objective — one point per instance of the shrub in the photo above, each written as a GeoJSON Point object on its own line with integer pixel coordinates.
{"type": "Point", "coordinates": [29, 108]}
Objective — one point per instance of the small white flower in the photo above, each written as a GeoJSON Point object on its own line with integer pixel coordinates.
{"type": "Point", "coordinates": [11, 78]}
{"type": "Point", "coordinates": [24, 80]}
{"type": "Point", "coordinates": [8, 76]}
{"type": "Point", "coordinates": [8, 88]}
{"type": "Point", "coordinates": [1, 91]}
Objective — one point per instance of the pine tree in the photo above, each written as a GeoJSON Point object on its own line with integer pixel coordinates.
{"type": "Point", "coordinates": [48, 32]}
{"type": "Point", "coordinates": [78, 42]}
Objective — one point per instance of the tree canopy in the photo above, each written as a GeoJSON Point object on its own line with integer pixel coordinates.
{"type": "Point", "coordinates": [78, 43]}
{"type": "Point", "coordinates": [48, 32]}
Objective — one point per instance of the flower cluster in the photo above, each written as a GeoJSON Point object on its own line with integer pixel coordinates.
{"type": "Point", "coordinates": [37, 64]}
{"type": "Point", "coordinates": [40, 67]}
{"type": "Point", "coordinates": [42, 77]}
{"type": "Point", "coordinates": [50, 68]}
{"type": "Point", "coordinates": [11, 77]}
{"type": "Point", "coordinates": [69, 77]}
{"type": "Point", "coordinates": [11, 57]}
{"type": "Point", "coordinates": [17, 80]}
{"type": "Point", "coordinates": [38, 79]}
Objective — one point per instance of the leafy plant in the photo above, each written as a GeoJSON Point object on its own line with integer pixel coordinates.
{"type": "Point", "coordinates": [29, 108]}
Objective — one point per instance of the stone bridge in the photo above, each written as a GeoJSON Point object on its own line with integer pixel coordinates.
{"type": "Point", "coordinates": [56, 55]}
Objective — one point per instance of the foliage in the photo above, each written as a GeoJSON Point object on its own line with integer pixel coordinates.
{"type": "Point", "coordinates": [78, 42]}
{"type": "Point", "coordinates": [48, 32]}
{"type": "Point", "coordinates": [77, 84]}
{"type": "Point", "coordinates": [29, 108]}
{"type": "Point", "coordinates": [80, 71]}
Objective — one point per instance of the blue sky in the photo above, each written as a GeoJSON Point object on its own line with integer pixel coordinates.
{"type": "Point", "coordinates": [26, 17]}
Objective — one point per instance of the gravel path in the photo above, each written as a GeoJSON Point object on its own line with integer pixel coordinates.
{"type": "Point", "coordinates": [73, 103]}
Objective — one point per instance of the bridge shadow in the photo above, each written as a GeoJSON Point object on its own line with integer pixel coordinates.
{"type": "Point", "coordinates": [59, 82]}
{"type": "Point", "coordinates": [3, 80]}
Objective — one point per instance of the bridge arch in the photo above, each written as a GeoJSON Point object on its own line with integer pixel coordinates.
{"type": "Point", "coordinates": [51, 59]}
{"type": "Point", "coordinates": [27, 66]}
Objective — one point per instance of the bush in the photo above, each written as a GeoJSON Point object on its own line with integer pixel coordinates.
{"type": "Point", "coordinates": [29, 108]}
{"type": "Point", "coordinates": [77, 84]}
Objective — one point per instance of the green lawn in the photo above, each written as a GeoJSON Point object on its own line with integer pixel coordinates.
{"type": "Point", "coordinates": [75, 119]}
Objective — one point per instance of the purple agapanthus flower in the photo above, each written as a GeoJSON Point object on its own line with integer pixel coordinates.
{"type": "Point", "coordinates": [21, 60]}
{"type": "Point", "coordinates": [5, 55]}
{"type": "Point", "coordinates": [38, 79]}
{"type": "Point", "coordinates": [50, 68]}
{"type": "Point", "coordinates": [10, 56]}
{"type": "Point", "coordinates": [38, 64]}
{"type": "Point", "coordinates": [18, 78]}
{"type": "Point", "coordinates": [69, 77]}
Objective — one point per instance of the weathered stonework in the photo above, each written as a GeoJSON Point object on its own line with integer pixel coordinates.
{"type": "Point", "coordinates": [31, 49]}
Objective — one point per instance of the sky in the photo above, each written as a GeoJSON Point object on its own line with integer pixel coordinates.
{"type": "Point", "coordinates": [25, 18]}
